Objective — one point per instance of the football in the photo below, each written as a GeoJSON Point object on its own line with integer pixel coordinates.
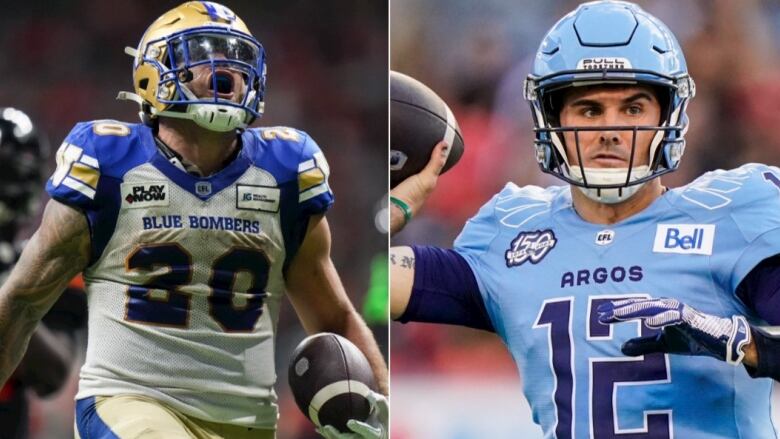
{"type": "Point", "coordinates": [330, 378]}
{"type": "Point", "coordinates": [419, 119]}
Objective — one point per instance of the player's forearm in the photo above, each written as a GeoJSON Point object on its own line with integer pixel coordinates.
{"type": "Point", "coordinates": [17, 324]}
{"type": "Point", "coordinates": [56, 253]}
{"type": "Point", "coordinates": [397, 219]}
{"type": "Point", "coordinates": [24, 299]}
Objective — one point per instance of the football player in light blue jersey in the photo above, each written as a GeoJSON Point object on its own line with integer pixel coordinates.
{"type": "Point", "coordinates": [189, 229]}
{"type": "Point", "coordinates": [694, 269]}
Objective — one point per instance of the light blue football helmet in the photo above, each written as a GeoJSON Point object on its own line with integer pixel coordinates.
{"type": "Point", "coordinates": [609, 42]}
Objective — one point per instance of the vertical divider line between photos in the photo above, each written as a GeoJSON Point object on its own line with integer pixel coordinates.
{"type": "Point", "coordinates": [389, 272]}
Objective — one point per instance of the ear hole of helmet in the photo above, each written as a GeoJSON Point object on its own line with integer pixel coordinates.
{"type": "Point", "coordinates": [664, 96]}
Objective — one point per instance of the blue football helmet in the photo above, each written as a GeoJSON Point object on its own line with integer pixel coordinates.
{"type": "Point", "coordinates": [609, 42]}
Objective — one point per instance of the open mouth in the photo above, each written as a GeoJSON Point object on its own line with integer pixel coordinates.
{"type": "Point", "coordinates": [223, 83]}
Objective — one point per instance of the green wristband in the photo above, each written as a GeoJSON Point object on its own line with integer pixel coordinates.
{"type": "Point", "coordinates": [404, 208]}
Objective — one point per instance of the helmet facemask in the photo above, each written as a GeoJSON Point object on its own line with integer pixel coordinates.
{"type": "Point", "coordinates": [214, 53]}
{"type": "Point", "coordinates": [608, 185]}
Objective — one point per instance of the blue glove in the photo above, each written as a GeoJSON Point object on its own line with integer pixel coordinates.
{"type": "Point", "coordinates": [684, 330]}
{"type": "Point", "coordinates": [375, 426]}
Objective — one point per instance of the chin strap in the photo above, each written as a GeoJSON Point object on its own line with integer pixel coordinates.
{"type": "Point", "coordinates": [600, 176]}
{"type": "Point", "coordinates": [129, 96]}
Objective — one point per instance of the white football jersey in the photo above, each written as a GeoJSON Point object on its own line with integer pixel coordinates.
{"type": "Point", "coordinates": [187, 273]}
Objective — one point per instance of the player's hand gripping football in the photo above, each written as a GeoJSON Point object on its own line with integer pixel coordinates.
{"type": "Point", "coordinates": [375, 426]}
{"type": "Point", "coordinates": [416, 189]}
{"type": "Point", "coordinates": [684, 330]}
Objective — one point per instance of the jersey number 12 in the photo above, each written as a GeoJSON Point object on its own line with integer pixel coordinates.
{"type": "Point", "coordinates": [606, 374]}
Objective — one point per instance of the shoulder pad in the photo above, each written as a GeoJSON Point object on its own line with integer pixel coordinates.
{"type": "Point", "coordinates": [292, 156]}
{"type": "Point", "coordinates": [723, 190]}
{"type": "Point", "coordinates": [513, 207]}
{"type": "Point", "coordinates": [280, 148]}
{"type": "Point", "coordinates": [516, 206]}
{"type": "Point", "coordinates": [749, 195]}
{"type": "Point", "coordinates": [281, 134]}
{"type": "Point", "coordinates": [110, 146]}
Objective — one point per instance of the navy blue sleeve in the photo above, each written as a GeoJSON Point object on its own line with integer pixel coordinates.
{"type": "Point", "coordinates": [760, 290]}
{"type": "Point", "coordinates": [445, 291]}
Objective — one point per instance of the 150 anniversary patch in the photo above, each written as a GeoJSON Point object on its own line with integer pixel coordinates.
{"type": "Point", "coordinates": [530, 246]}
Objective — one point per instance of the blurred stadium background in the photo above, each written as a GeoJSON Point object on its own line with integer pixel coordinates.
{"type": "Point", "coordinates": [62, 62]}
{"type": "Point", "coordinates": [453, 383]}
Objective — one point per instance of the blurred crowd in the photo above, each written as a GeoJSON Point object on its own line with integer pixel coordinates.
{"type": "Point", "coordinates": [63, 62]}
{"type": "Point", "coordinates": [476, 54]}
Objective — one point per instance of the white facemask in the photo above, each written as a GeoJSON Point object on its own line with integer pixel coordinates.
{"type": "Point", "coordinates": [214, 117]}
{"type": "Point", "coordinates": [220, 118]}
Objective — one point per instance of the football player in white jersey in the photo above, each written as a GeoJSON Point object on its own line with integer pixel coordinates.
{"type": "Point", "coordinates": [189, 229]}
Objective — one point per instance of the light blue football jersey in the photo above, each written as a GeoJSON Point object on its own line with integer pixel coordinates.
{"type": "Point", "coordinates": [543, 271]}
{"type": "Point", "coordinates": [187, 273]}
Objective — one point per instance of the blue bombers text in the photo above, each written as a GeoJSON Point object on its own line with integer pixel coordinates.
{"type": "Point", "coordinates": [201, 222]}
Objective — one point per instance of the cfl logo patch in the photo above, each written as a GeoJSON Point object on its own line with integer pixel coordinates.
{"type": "Point", "coordinates": [605, 237]}
{"type": "Point", "coordinates": [203, 188]}
{"type": "Point", "coordinates": [693, 239]}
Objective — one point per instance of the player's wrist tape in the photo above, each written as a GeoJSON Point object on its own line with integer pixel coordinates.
{"type": "Point", "coordinates": [404, 208]}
